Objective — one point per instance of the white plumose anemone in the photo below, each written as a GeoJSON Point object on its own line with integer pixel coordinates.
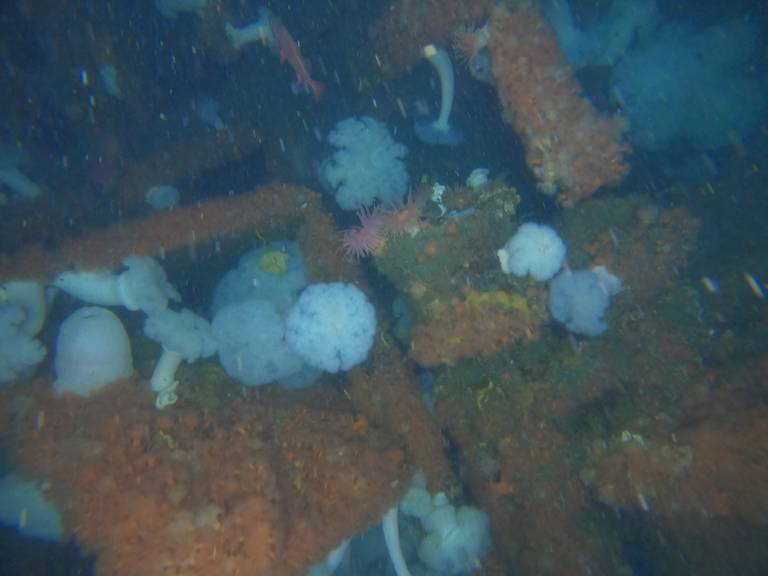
{"type": "Point", "coordinates": [92, 350]}
{"type": "Point", "coordinates": [536, 250]}
{"type": "Point", "coordinates": [22, 315]}
{"type": "Point", "coordinates": [142, 286]}
{"type": "Point", "coordinates": [331, 326]}
{"type": "Point", "coordinates": [184, 336]}
{"type": "Point", "coordinates": [580, 298]}
{"type": "Point", "coordinates": [252, 345]}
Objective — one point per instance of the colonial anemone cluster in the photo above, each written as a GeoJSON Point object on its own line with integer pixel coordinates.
{"type": "Point", "coordinates": [269, 324]}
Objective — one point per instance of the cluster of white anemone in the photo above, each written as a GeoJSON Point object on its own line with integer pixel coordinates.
{"type": "Point", "coordinates": [578, 299]}
{"type": "Point", "coordinates": [144, 286]}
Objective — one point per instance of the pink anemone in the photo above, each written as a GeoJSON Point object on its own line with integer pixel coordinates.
{"type": "Point", "coordinates": [361, 241]}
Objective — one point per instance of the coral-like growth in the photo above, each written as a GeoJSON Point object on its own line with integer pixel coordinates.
{"type": "Point", "coordinates": [195, 229]}
{"type": "Point", "coordinates": [406, 217]}
{"type": "Point", "coordinates": [685, 478]}
{"type": "Point", "coordinates": [268, 489]}
{"type": "Point", "coordinates": [643, 245]}
{"type": "Point", "coordinates": [571, 148]}
{"type": "Point", "coordinates": [480, 325]}
{"type": "Point", "coordinates": [388, 382]}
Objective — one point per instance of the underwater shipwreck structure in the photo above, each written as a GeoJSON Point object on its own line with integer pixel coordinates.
{"type": "Point", "coordinates": [512, 430]}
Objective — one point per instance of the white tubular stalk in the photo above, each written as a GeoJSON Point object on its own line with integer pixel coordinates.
{"type": "Point", "coordinates": [392, 539]}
